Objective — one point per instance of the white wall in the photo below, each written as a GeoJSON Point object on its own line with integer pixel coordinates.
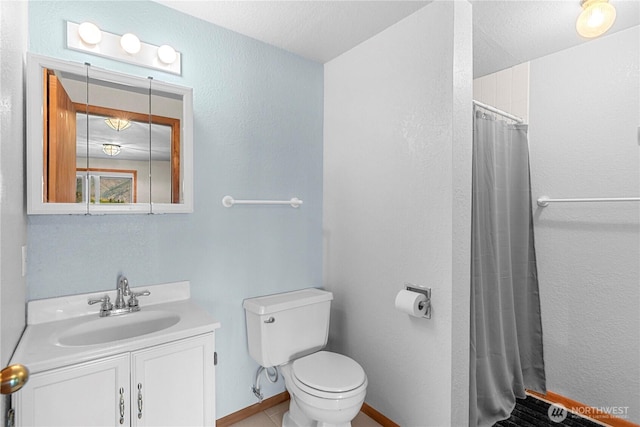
{"type": "Point", "coordinates": [258, 117]}
{"type": "Point", "coordinates": [13, 225]}
{"type": "Point", "coordinates": [584, 117]}
{"type": "Point", "coordinates": [507, 90]}
{"type": "Point", "coordinates": [394, 117]}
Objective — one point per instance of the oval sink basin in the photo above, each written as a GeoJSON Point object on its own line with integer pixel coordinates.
{"type": "Point", "coordinates": [107, 329]}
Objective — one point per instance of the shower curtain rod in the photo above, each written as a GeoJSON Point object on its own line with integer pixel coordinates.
{"type": "Point", "coordinates": [544, 201]}
{"type": "Point", "coordinates": [495, 110]}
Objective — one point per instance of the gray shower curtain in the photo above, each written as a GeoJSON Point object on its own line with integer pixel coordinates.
{"type": "Point", "coordinates": [506, 330]}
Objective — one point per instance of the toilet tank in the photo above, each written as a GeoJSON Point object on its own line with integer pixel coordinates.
{"type": "Point", "coordinates": [285, 326]}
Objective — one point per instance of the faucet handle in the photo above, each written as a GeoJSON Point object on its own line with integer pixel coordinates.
{"type": "Point", "coordinates": [133, 299]}
{"type": "Point", "coordinates": [105, 300]}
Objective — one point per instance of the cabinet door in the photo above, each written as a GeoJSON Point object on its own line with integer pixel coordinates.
{"type": "Point", "coordinates": [173, 384]}
{"type": "Point", "coordinates": [87, 395]}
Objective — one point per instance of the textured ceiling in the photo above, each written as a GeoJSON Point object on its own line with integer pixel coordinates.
{"type": "Point", "coordinates": [506, 32]}
{"type": "Point", "coordinates": [510, 32]}
{"type": "Point", "coordinates": [317, 30]}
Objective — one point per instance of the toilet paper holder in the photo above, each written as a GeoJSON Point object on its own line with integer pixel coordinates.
{"type": "Point", "coordinates": [421, 290]}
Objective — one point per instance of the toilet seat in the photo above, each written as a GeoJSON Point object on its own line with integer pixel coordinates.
{"type": "Point", "coordinates": [328, 375]}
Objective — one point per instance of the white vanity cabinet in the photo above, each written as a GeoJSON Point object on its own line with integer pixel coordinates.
{"type": "Point", "coordinates": [86, 394]}
{"type": "Point", "coordinates": [170, 384]}
{"type": "Point", "coordinates": [173, 384]}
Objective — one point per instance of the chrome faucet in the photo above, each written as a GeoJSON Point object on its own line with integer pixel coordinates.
{"type": "Point", "coordinates": [122, 291]}
{"type": "Point", "coordinates": [121, 306]}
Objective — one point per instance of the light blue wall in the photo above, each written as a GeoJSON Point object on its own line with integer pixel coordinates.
{"type": "Point", "coordinates": [258, 134]}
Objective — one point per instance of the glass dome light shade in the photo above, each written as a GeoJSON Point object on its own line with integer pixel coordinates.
{"type": "Point", "coordinates": [89, 33]}
{"type": "Point", "coordinates": [117, 124]}
{"type": "Point", "coordinates": [111, 149]}
{"type": "Point", "coordinates": [130, 43]}
{"type": "Point", "coordinates": [596, 18]}
{"type": "Point", "coordinates": [167, 54]}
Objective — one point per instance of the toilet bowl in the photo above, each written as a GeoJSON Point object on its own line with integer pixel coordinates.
{"type": "Point", "coordinates": [289, 331]}
{"type": "Point", "coordinates": [327, 390]}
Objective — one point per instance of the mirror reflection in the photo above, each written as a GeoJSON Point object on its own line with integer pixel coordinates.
{"type": "Point", "coordinates": [103, 142]}
{"type": "Point", "coordinates": [102, 146]}
{"type": "Point", "coordinates": [120, 141]}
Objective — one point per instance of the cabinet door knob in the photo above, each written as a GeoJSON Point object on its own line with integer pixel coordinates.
{"type": "Point", "coordinates": [121, 405]}
{"type": "Point", "coordinates": [139, 400]}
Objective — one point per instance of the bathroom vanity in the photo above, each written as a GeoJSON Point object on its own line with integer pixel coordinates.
{"type": "Point", "coordinates": [154, 367]}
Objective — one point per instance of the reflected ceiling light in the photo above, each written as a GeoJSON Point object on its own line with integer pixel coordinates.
{"type": "Point", "coordinates": [130, 43]}
{"type": "Point", "coordinates": [111, 149]}
{"type": "Point", "coordinates": [596, 18]}
{"type": "Point", "coordinates": [117, 124]}
{"type": "Point", "coordinates": [89, 33]}
{"type": "Point", "coordinates": [167, 54]}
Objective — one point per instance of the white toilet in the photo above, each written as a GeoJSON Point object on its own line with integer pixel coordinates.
{"type": "Point", "coordinates": [288, 330]}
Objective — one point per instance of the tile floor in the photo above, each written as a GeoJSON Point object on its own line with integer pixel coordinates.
{"type": "Point", "coordinates": [273, 417]}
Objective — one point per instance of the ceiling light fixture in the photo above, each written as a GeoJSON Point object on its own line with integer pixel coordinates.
{"type": "Point", "coordinates": [130, 43]}
{"type": "Point", "coordinates": [89, 33]}
{"type": "Point", "coordinates": [111, 149]}
{"type": "Point", "coordinates": [596, 18]}
{"type": "Point", "coordinates": [117, 124]}
{"type": "Point", "coordinates": [167, 54]}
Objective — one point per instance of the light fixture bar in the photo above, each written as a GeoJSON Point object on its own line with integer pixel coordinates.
{"type": "Point", "coordinates": [110, 47]}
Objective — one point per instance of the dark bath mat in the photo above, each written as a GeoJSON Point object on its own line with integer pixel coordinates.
{"type": "Point", "coordinates": [532, 412]}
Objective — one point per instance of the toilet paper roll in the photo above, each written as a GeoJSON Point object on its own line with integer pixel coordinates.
{"type": "Point", "coordinates": [412, 303]}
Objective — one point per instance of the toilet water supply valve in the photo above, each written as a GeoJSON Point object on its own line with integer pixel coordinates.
{"type": "Point", "coordinates": [271, 377]}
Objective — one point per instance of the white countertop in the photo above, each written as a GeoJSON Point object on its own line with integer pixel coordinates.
{"type": "Point", "coordinates": [39, 349]}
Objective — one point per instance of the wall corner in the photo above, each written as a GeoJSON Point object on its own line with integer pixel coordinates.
{"type": "Point", "coordinates": [461, 255]}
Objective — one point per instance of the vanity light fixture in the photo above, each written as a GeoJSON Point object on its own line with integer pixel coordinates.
{"type": "Point", "coordinates": [166, 54]}
{"type": "Point", "coordinates": [117, 124]}
{"type": "Point", "coordinates": [596, 18]}
{"type": "Point", "coordinates": [130, 43]}
{"type": "Point", "coordinates": [90, 33]}
{"type": "Point", "coordinates": [88, 38]}
{"type": "Point", "coordinates": [111, 149]}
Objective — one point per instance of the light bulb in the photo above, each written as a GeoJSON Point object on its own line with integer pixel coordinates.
{"type": "Point", "coordinates": [130, 43]}
{"type": "Point", "coordinates": [167, 54]}
{"type": "Point", "coordinates": [596, 18]}
{"type": "Point", "coordinates": [89, 33]}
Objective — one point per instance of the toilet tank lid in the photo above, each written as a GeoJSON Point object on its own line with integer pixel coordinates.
{"type": "Point", "coordinates": [284, 301]}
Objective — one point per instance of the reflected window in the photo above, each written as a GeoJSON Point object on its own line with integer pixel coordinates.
{"type": "Point", "coordinates": [100, 186]}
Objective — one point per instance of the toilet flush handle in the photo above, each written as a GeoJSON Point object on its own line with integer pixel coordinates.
{"type": "Point", "coordinates": [271, 319]}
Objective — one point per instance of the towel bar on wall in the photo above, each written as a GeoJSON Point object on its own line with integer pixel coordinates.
{"type": "Point", "coordinates": [228, 201]}
{"type": "Point", "coordinates": [544, 200]}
